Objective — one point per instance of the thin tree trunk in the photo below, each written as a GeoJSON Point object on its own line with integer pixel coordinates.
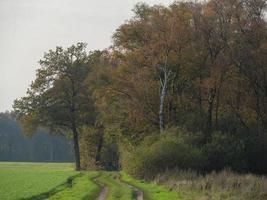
{"type": "Point", "coordinates": [99, 148]}
{"type": "Point", "coordinates": [76, 149]}
{"type": "Point", "coordinates": [200, 89]}
{"type": "Point", "coordinates": [217, 109]}
{"type": "Point", "coordinates": [162, 100]}
{"type": "Point", "coordinates": [74, 129]}
{"type": "Point", "coordinates": [163, 93]}
{"type": "Point", "coordinates": [210, 113]}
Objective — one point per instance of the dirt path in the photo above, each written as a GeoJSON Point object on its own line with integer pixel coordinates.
{"type": "Point", "coordinates": [102, 194]}
{"type": "Point", "coordinates": [138, 194]}
{"type": "Point", "coordinates": [104, 190]}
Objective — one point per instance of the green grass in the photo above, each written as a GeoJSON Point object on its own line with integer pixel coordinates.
{"type": "Point", "coordinates": [151, 191]}
{"type": "Point", "coordinates": [55, 181]}
{"type": "Point", "coordinates": [82, 188]}
{"type": "Point", "coordinates": [116, 189]}
{"type": "Point", "coordinates": [25, 180]}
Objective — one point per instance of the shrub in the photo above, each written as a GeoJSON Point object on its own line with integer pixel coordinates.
{"type": "Point", "coordinates": [256, 153]}
{"type": "Point", "coordinates": [88, 147]}
{"type": "Point", "coordinates": [225, 151]}
{"type": "Point", "coordinates": [172, 149]}
{"type": "Point", "coordinates": [98, 149]}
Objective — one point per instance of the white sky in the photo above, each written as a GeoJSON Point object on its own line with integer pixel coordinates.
{"type": "Point", "coordinates": [28, 28]}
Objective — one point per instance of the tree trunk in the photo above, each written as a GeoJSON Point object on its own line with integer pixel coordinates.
{"type": "Point", "coordinates": [210, 113]}
{"type": "Point", "coordinates": [217, 109]}
{"type": "Point", "coordinates": [76, 149]}
{"type": "Point", "coordinates": [162, 99]}
{"type": "Point", "coordinates": [99, 148]}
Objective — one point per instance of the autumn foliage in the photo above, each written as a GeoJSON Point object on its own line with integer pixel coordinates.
{"type": "Point", "coordinates": [192, 75]}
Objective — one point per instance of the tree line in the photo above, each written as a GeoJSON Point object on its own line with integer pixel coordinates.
{"type": "Point", "coordinates": [41, 147]}
{"type": "Point", "coordinates": [181, 86]}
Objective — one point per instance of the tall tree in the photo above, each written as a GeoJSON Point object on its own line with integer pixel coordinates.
{"type": "Point", "coordinates": [57, 99]}
{"type": "Point", "coordinates": [153, 43]}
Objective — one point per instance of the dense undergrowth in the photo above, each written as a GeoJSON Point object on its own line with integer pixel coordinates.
{"type": "Point", "coordinates": [178, 160]}
{"type": "Point", "coordinates": [223, 185]}
{"type": "Point", "coordinates": [178, 148]}
{"type": "Point", "coordinates": [160, 152]}
{"type": "Point", "coordinates": [189, 185]}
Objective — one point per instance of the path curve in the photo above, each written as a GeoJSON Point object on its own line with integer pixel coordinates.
{"type": "Point", "coordinates": [102, 195]}
{"type": "Point", "coordinates": [104, 190]}
{"type": "Point", "coordinates": [138, 194]}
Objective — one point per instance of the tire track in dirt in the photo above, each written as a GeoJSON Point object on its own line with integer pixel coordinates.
{"type": "Point", "coordinates": [138, 194]}
{"type": "Point", "coordinates": [102, 195]}
{"type": "Point", "coordinates": [104, 190]}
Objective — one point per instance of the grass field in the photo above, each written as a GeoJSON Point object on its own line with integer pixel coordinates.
{"type": "Point", "coordinates": [38, 181]}
{"type": "Point", "coordinates": [25, 180]}
{"type": "Point", "coordinates": [82, 187]}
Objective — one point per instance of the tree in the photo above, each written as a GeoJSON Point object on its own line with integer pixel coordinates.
{"type": "Point", "coordinates": [57, 99]}
{"type": "Point", "coordinates": [152, 43]}
{"type": "Point", "coordinates": [41, 147]}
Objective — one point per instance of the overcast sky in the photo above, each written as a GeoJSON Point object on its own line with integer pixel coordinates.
{"type": "Point", "coordinates": [28, 28]}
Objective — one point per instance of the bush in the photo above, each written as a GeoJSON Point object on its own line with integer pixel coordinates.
{"type": "Point", "coordinates": [110, 154]}
{"type": "Point", "coordinates": [172, 149]}
{"type": "Point", "coordinates": [98, 149]}
{"type": "Point", "coordinates": [256, 153]}
{"type": "Point", "coordinates": [226, 151]}
{"type": "Point", "coordinates": [88, 147]}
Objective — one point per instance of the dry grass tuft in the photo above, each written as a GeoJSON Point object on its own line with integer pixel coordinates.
{"type": "Point", "coordinates": [225, 185]}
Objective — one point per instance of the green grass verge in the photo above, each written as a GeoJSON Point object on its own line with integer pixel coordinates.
{"type": "Point", "coordinates": [116, 189]}
{"type": "Point", "coordinates": [151, 191]}
{"type": "Point", "coordinates": [25, 180]}
{"type": "Point", "coordinates": [59, 181]}
{"type": "Point", "coordinates": [82, 187]}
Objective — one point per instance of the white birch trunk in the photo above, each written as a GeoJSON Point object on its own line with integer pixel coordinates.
{"type": "Point", "coordinates": [161, 104]}
{"type": "Point", "coordinates": [163, 92]}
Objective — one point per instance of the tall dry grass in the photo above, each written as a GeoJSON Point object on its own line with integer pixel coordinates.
{"type": "Point", "coordinates": [225, 185]}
